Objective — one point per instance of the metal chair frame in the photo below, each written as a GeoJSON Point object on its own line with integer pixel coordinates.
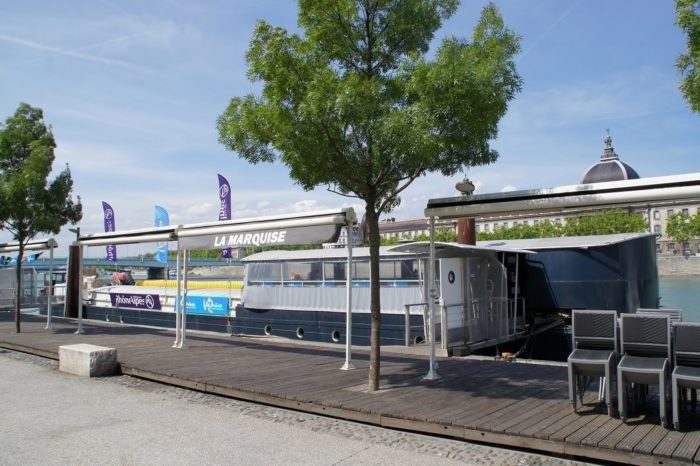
{"type": "Point", "coordinates": [644, 362]}
{"type": "Point", "coordinates": [675, 315]}
{"type": "Point", "coordinates": [686, 362]}
{"type": "Point", "coordinates": [595, 352]}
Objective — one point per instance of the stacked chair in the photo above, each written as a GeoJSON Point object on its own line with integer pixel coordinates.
{"type": "Point", "coordinates": [646, 357]}
{"type": "Point", "coordinates": [594, 354]}
{"type": "Point", "coordinates": [686, 362]}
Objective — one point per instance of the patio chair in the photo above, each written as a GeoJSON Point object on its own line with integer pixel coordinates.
{"type": "Point", "coordinates": [646, 357]}
{"type": "Point", "coordinates": [686, 362]}
{"type": "Point", "coordinates": [594, 354]}
{"type": "Point", "coordinates": [675, 315]}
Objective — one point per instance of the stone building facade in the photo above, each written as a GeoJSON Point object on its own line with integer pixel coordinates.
{"type": "Point", "coordinates": [608, 168]}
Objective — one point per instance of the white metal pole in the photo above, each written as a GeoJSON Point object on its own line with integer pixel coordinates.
{"type": "Point", "coordinates": [49, 292]}
{"type": "Point", "coordinates": [348, 310]}
{"type": "Point", "coordinates": [432, 372]}
{"type": "Point", "coordinates": [80, 291]}
{"type": "Point", "coordinates": [177, 299]}
{"type": "Point", "coordinates": [517, 291]}
{"type": "Point", "coordinates": [183, 319]}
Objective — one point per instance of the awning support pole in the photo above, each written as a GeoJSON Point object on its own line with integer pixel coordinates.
{"type": "Point", "coordinates": [80, 330]}
{"type": "Point", "coordinates": [49, 292]}
{"type": "Point", "coordinates": [178, 289]}
{"type": "Point", "coordinates": [432, 372]}
{"type": "Point", "coordinates": [183, 307]}
{"type": "Point", "coordinates": [348, 310]}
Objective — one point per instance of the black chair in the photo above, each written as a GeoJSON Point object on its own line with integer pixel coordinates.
{"type": "Point", "coordinates": [594, 354]}
{"type": "Point", "coordinates": [686, 362]}
{"type": "Point", "coordinates": [675, 315]}
{"type": "Point", "coordinates": [646, 357]}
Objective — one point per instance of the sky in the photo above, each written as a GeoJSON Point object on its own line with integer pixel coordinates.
{"type": "Point", "coordinates": [132, 90]}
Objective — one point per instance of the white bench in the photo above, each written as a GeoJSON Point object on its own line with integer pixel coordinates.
{"type": "Point", "coordinates": [87, 360]}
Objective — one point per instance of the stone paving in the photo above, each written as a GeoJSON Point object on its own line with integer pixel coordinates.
{"type": "Point", "coordinates": [461, 451]}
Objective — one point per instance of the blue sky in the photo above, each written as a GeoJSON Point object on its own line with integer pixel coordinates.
{"type": "Point", "coordinates": [132, 90]}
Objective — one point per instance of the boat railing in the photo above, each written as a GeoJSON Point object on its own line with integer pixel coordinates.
{"type": "Point", "coordinates": [480, 319]}
{"type": "Point", "coordinates": [407, 324]}
{"type": "Point", "coordinates": [389, 283]}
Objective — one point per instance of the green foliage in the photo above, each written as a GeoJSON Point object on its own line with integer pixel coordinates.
{"type": "Point", "coordinates": [601, 223]}
{"type": "Point", "coordinates": [605, 223]}
{"type": "Point", "coordinates": [682, 227]}
{"type": "Point", "coordinates": [29, 203]}
{"type": "Point", "coordinates": [688, 63]}
{"type": "Point", "coordinates": [354, 102]}
{"type": "Point", "coordinates": [544, 229]}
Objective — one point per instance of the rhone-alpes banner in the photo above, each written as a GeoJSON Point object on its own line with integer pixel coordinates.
{"type": "Point", "coordinates": [109, 226]}
{"type": "Point", "coordinates": [224, 208]}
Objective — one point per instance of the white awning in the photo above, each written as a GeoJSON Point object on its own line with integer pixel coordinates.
{"type": "Point", "coordinates": [34, 245]}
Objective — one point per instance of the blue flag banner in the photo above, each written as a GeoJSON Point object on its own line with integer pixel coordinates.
{"type": "Point", "coordinates": [161, 220]}
{"type": "Point", "coordinates": [109, 226]}
{"type": "Point", "coordinates": [224, 208]}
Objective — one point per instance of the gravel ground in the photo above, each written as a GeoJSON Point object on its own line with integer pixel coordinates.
{"type": "Point", "coordinates": [48, 417]}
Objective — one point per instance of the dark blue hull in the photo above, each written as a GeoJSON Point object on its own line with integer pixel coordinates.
{"type": "Point", "coordinates": [326, 327]}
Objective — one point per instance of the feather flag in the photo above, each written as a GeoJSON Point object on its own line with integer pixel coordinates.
{"type": "Point", "coordinates": [224, 208]}
{"type": "Point", "coordinates": [109, 226]}
{"type": "Point", "coordinates": [161, 220]}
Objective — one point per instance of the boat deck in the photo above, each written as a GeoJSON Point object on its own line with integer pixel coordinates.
{"type": "Point", "coordinates": [522, 405]}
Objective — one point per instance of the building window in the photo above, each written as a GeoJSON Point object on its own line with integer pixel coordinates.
{"type": "Point", "coordinates": [657, 229]}
{"type": "Point", "coordinates": [495, 226]}
{"type": "Point", "coordinates": [657, 215]}
{"type": "Point", "coordinates": [505, 224]}
{"type": "Point", "coordinates": [685, 212]}
{"type": "Point", "coordinates": [535, 222]}
{"type": "Point", "coordinates": [486, 227]}
{"type": "Point", "coordinates": [557, 221]}
{"type": "Point", "coordinates": [669, 213]}
{"type": "Point", "coordinates": [671, 247]}
{"type": "Point", "coordinates": [525, 222]}
{"type": "Point", "coordinates": [658, 248]}
{"type": "Point", "coordinates": [478, 228]}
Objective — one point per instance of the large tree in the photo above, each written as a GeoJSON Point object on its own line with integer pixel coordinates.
{"type": "Point", "coordinates": [29, 203]}
{"type": "Point", "coordinates": [355, 103]}
{"type": "Point", "coordinates": [688, 19]}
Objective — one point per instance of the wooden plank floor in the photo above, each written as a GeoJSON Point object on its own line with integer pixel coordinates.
{"type": "Point", "coordinates": [515, 404]}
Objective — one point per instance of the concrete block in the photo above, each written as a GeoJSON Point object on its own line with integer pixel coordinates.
{"type": "Point", "coordinates": [87, 360]}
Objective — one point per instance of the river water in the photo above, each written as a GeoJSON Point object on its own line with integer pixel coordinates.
{"type": "Point", "coordinates": [681, 293]}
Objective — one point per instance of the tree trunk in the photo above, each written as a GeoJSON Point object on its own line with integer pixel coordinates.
{"type": "Point", "coordinates": [375, 305]}
{"type": "Point", "coordinates": [18, 291]}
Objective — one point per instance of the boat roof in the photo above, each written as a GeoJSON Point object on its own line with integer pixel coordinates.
{"type": "Point", "coordinates": [564, 242]}
{"type": "Point", "coordinates": [444, 250]}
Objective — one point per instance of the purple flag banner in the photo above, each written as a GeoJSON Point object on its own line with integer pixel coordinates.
{"type": "Point", "coordinates": [109, 226]}
{"type": "Point", "coordinates": [224, 208]}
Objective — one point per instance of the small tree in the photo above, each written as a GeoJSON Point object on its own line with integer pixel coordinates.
{"type": "Point", "coordinates": [688, 64]}
{"type": "Point", "coordinates": [681, 228]}
{"type": "Point", "coordinates": [355, 103]}
{"type": "Point", "coordinates": [29, 203]}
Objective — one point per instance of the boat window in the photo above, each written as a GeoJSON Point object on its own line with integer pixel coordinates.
{"type": "Point", "coordinates": [264, 273]}
{"type": "Point", "coordinates": [334, 271]}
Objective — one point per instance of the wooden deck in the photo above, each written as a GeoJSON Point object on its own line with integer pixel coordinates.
{"type": "Point", "coordinates": [510, 404]}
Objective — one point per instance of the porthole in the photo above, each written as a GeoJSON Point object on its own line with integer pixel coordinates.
{"type": "Point", "coordinates": [300, 332]}
{"type": "Point", "coordinates": [268, 329]}
{"type": "Point", "coordinates": [418, 340]}
{"type": "Point", "coordinates": [335, 336]}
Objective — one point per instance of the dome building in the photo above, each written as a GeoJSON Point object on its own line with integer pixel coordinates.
{"type": "Point", "coordinates": [610, 167]}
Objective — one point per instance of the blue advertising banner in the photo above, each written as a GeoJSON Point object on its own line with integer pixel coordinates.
{"type": "Point", "coordinates": [208, 305]}
{"type": "Point", "coordinates": [109, 226]}
{"type": "Point", "coordinates": [224, 208]}
{"type": "Point", "coordinates": [162, 219]}
{"type": "Point", "coordinates": [136, 301]}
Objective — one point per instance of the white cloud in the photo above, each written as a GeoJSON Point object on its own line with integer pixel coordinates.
{"type": "Point", "coordinates": [507, 188]}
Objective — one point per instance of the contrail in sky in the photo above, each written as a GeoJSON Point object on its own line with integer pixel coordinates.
{"type": "Point", "coordinates": [566, 13]}
{"type": "Point", "coordinates": [76, 52]}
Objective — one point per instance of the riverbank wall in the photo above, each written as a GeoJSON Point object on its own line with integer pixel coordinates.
{"type": "Point", "coordinates": [677, 265]}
